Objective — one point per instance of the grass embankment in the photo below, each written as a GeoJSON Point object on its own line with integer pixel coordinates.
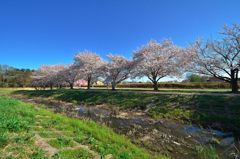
{"type": "Point", "coordinates": [168, 90]}
{"type": "Point", "coordinates": [178, 85]}
{"type": "Point", "coordinates": [28, 131]}
{"type": "Point", "coordinates": [200, 109]}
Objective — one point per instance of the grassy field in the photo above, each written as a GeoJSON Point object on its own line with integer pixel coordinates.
{"type": "Point", "coordinates": [30, 131]}
{"type": "Point", "coordinates": [207, 109]}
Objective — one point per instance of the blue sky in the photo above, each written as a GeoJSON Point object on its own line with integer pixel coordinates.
{"type": "Point", "coordinates": [36, 32]}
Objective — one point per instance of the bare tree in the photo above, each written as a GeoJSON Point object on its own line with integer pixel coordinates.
{"type": "Point", "coordinates": [117, 70]}
{"type": "Point", "coordinates": [221, 58]}
{"type": "Point", "coordinates": [89, 64]}
{"type": "Point", "coordinates": [157, 60]}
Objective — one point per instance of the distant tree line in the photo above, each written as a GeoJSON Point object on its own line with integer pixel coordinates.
{"type": "Point", "coordinates": [196, 78]}
{"type": "Point", "coordinates": [13, 77]}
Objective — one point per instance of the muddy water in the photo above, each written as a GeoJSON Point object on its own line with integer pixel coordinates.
{"type": "Point", "coordinates": [158, 136]}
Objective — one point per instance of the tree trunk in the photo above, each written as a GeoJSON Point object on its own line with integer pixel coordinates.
{"type": "Point", "coordinates": [234, 86]}
{"type": "Point", "coordinates": [234, 81]}
{"type": "Point", "coordinates": [71, 85]}
{"type": "Point", "coordinates": [89, 83]}
{"type": "Point", "coordinates": [113, 86]}
{"type": "Point", "coordinates": [51, 87]}
{"type": "Point", "coordinates": [155, 85]}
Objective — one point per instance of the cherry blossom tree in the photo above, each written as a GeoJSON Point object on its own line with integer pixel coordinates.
{"type": "Point", "coordinates": [117, 70]}
{"type": "Point", "coordinates": [59, 80]}
{"type": "Point", "coordinates": [220, 58]}
{"type": "Point", "coordinates": [157, 60]}
{"type": "Point", "coordinates": [46, 75]}
{"type": "Point", "coordinates": [70, 74]}
{"type": "Point", "coordinates": [89, 65]}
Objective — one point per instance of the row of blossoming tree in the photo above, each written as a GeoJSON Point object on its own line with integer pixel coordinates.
{"type": "Point", "coordinates": [218, 58]}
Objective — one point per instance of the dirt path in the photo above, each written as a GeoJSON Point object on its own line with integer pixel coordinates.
{"type": "Point", "coordinates": [41, 143]}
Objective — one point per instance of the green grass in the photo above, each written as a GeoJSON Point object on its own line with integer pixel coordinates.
{"type": "Point", "coordinates": [78, 153]}
{"type": "Point", "coordinates": [20, 122]}
{"type": "Point", "coordinates": [207, 152]}
{"type": "Point", "coordinates": [199, 109]}
{"type": "Point", "coordinates": [6, 91]}
{"type": "Point", "coordinates": [61, 142]}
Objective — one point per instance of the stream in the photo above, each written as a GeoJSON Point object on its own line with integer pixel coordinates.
{"type": "Point", "coordinates": [158, 136]}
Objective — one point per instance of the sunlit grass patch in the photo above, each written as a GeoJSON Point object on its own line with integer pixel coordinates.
{"type": "Point", "coordinates": [48, 134]}
{"type": "Point", "coordinates": [61, 142]}
{"type": "Point", "coordinates": [75, 154]}
{"type": "Point", "coordinates": [21, 122]}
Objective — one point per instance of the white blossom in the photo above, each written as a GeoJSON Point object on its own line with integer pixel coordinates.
{"type": "Point", "coordinates": [89, 65]}
{"type": "Point", "coordinates": [118, 69]}
{"type": "Point", "coordinates": [157, 60]}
